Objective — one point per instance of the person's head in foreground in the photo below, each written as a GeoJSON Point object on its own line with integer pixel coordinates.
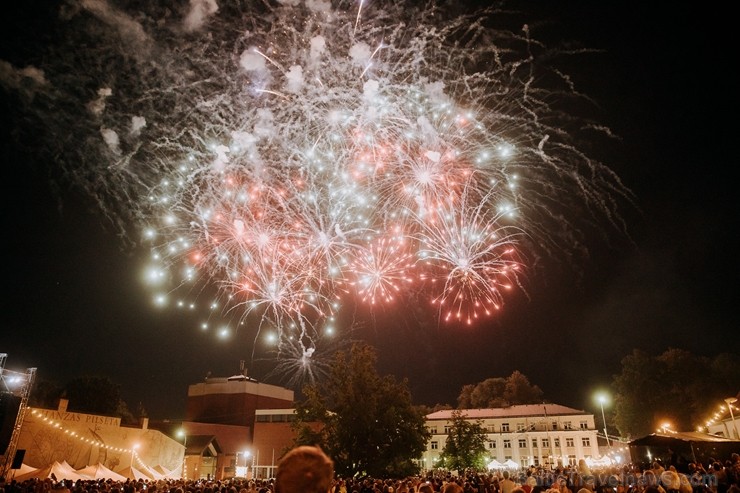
{"type": "Point", "coordinates": [304, 469]}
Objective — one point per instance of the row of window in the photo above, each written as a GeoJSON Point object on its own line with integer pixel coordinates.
{"type": "Point", "coordinates": [275, 418]}
{"type": "Point", "coordinates": [569, 442]}
{"type": "Point", "coordinates": [521, 427]}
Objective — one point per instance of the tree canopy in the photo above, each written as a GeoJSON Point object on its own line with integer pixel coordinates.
{"type": "Point", "coordinates": [365, 422]}
{"type": "Point", "coordinates": [465, 447]}
{"type": "Point", "coordinates": [676, 386]}
{"type": "Point", "coordinates": [499, 392]}
{"type": "Point", "coordinates": [86, 394]}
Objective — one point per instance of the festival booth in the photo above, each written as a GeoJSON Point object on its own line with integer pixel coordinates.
{"type": "Point", "coordinates": [167, 474]}
{"type": "Point", "coordinates": [680, 448]}
{"type": "Point", "coordinates": [24, 469]}
{"type": "Point", "coordinates": [99, 471]}
{"type": "Point", "coordinates": [135, 474]}
{"type": "Point", "coordinates": [56, 471]}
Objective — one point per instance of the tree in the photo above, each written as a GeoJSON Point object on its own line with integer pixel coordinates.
{"type": "Point", "coordinates": [97, 395]}
{"type": "Point", "coordinates": [499, 392]}
{"type": "Point", "coordinates": [365, 422]}
{"type": "Point", "coordinates": [465, 447]}
{"type": "Point", "coordinates": [676, 386]}
{"type": "Point", "coordinates": [45, 394]}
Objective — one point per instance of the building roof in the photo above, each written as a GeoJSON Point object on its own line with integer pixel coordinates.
{"type": "Point", "coordinates": [524, 410]}
{"type": "Point", "coordinates": [202, 445]}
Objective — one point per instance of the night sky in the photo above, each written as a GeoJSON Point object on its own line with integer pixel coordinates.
{"type": "Point", "coordinates": [73, 302]}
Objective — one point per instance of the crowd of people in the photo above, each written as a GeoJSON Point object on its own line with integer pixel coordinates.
{"type": "Point", "coordinates": [309, 470]}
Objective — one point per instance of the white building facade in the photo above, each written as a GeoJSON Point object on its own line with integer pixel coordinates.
{"type": "Point", "coordinates": [528, 435]}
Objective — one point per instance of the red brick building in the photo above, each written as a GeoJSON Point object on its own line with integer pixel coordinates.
{"type": "Point", "coordinates": [237, 416]}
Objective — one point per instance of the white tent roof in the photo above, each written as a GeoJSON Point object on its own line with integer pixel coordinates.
{"type": "Point", "coordinates": [511, 464]}
{"type": "Point", "coordinates": [165, 472]}
{"type": "Point", "coordinates": [494, 464]}
{"type": "Point", "coordinates": [99, 471]}
{"type": "Point", "coordinates": [55, 470]}
{"type": "Point", "coordinates": [24, 469]}
{"type": "Point", "coordinates": [151, 472]}
{"type": "Point", "coordinates": [133, 473]}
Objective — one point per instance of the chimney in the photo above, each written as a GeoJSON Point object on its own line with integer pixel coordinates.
{"type": "Point", "coordinates": [144, 423]}
{"type": "Point", "coordinates": [63, 403]}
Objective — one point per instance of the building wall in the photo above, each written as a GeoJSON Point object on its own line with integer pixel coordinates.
{"type": "Point", "coordinates": [221, 401]}
{"type": "Point", "coordinates": [545, 440]}
{"type": "Point", "coordinates": [49, 435]}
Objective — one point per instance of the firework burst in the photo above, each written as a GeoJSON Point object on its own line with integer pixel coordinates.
{"type": "Point", "coordinates": [297, 156]}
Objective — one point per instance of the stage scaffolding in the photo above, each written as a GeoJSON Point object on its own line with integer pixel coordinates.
{"type": "Point", "coordinates": [14, 386]}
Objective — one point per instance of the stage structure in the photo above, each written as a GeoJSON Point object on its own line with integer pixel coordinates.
{"type": "Point", "coordinates": [15, 387]}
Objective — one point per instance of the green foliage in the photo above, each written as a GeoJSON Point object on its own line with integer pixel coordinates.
{"type": "Point", "coordinates": [499, 392]}
{"type": "Point", "coordinates": [465, 447]}
{"type": "Point", "coordinates": [365, 423]}
{"type": "Point", "coordinates": [676, 386]}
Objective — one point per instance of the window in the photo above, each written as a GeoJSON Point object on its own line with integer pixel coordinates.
{"type": "Point", "coordinates": [586, 441]}
{"type": "Point", "coordinates": [447, 429]}
{"type": "Point", "coordinates": [504, 426]}
{"type": "Point", "coordinates": [569, 442]}
{"type": "Point", "coordinates": [522, 443]}
{"type": "Point", "coordinates": [583, 425]}
{"type": "Point", "coordinates": [432, 430]}
{"type": "Point", "coordinates": [568, 425]}
{"type": "Point", "coordinates": [554, 425]}
{"type": "Point", "coordinates": [572, 460]}
{"type": "Point", "coordinates": [491, 428]}
{"type": "Point", "coordinates": [507, 443]}
{"type": "Point", "coordinates": [492, 444]}
{"type": "Point", "coordinates": [557, 442]}
{"type": "Point", "coordinates": [262, 418]}
{"type": "Point", "coordinates": [434, 445]}
{"type": "Point", "coordinates": [520, 427]}
{"type": "Point", "coordinates": [546, 442]}
{"type": "Point", "coordinates": [534, 442]}
{"type": "Point", "coordinates": [536, 462]}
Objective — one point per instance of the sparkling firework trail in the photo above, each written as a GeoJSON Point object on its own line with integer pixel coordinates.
{"type": "Point", "coordinates": [299, 156]}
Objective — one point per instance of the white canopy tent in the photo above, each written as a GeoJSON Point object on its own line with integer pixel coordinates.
{"type": "Point", "coordinates": [24, 469]}
{"type": "Point", "coordinates": [99, 471]}
{"type": "Point", "coordinates": [55, 470]}
{"type": "Point", "coordinates": [133, 473]}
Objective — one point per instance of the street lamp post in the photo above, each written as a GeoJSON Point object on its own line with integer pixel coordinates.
{"type": "Point", "coordinates": [181, 433]}
{"type": "Point", "coordinates": [602, 399]}
{"type": "Point", "coordinates": [730, 401]}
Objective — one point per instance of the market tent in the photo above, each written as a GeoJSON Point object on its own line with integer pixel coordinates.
{"type": "Point", "coordinates": [54, 471]}
{"type": "Point", "coordinates": [510, 464]}
{"type": "Point", "coordinates": [677, 448]}
{"type": "Point", "coordinates": [151, 472]}
{"type": "Point", "coordinates": [494, 464]}
{"type": "Point", "coordinates": [133, 473]}
{"type": "Point", "coordinates": [165, 472]}
{"type": "Point", "coordinates": [99, 471]}
{"type": "Point", "coordinates": [24, 469]}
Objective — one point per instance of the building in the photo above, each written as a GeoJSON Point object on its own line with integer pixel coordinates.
{"type": "Point", "coordinates": [79, 439]}
{"type": "Point", "coordinates": [527, 435]}
{"type": "Point", "coordinates": [236, 418]}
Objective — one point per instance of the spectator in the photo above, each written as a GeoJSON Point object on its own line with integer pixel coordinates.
{"type": "Point", "coordinates": [304, 469]}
